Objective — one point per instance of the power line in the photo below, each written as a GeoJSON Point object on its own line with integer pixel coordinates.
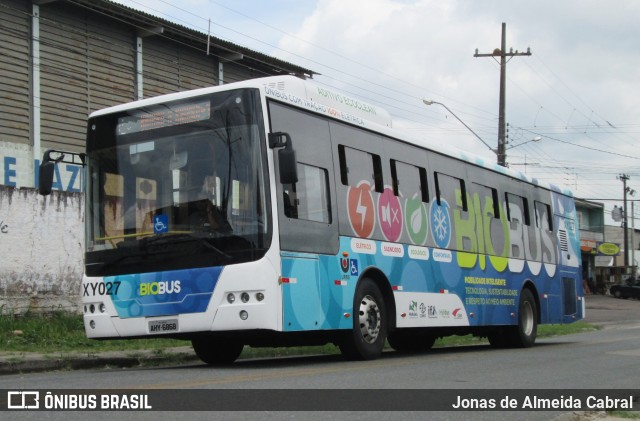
{"type": "Point", "coordinates": [583, 146]}
{"type": "Point", "coordinates": [402, 101]}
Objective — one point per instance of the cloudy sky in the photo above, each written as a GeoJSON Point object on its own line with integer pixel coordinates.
{"type": "Point", "coordinates": [579, 91]}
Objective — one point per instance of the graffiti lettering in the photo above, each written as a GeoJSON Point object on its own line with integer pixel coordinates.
{"type": "Point", "coordinates": [72, 174]}
{"type": "Point", "coordinates": [9, 171]}
{"type": "Point", "coordinates": [66, 177]}
{"type": "Point", "coordinates": [4, 228]}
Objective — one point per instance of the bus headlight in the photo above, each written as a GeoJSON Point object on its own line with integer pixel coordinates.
{"type": "Point", "coordinates": [244, 297]}
{"type": "Point", "coordinates": [244, 315]}
{"type": "Point", "coordinates": [231, 298]}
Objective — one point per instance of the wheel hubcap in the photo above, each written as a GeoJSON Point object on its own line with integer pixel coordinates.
{"type": "Point", "coordinates": [369, 319]}
{"type": "Point", "coordinates": [527, 319]}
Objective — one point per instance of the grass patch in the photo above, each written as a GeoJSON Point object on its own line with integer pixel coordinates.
{"type": "Point", "coordinates": [466, 340]}
{"type": "Point", "coordinates": [327, 349]}
{"type": "Point", "coordinates": [546, 331]}
{"type": "Point", "coordinates": [64, 332]}
{"type": "Point", "coordinates": [630, 415]}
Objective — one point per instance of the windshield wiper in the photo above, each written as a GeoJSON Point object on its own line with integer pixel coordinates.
{"type": "Point", "coordinates": [147, 242]}
{"type": "Point", "coordinates": [148, 248]}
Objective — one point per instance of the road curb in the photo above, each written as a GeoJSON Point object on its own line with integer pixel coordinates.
{"type": "Point", "coordinates": [35, 362]}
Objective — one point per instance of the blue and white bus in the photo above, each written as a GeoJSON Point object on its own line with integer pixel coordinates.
{"type": "Point", "coordinates": [276, 212]}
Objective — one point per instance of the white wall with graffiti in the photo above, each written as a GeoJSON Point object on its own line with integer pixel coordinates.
{"type": "Point", "coordinates": [41, 238]}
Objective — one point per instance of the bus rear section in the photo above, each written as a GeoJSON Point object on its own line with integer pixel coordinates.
{"type": "Point", "coordinates": [386, 236]}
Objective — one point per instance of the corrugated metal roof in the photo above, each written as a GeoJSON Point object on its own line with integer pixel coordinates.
{"type": "Point", "coordinates": [196, 39]}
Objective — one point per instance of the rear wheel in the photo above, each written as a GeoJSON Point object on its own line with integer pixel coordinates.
{"type": "Point", "coordinates": [410, 342]}
{"type": "Point", "coordinates": [217, 351]}
{"type": "Point", "coordinates": [366, 338]}
{"type": "Point", "coordinates": [523, 335]}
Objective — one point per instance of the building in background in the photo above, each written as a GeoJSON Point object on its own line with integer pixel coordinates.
{"type": "Point", "coordinates": [612, 266]}
{"type": "Point", "coordinates": [591, 225]}
{"type": "Point", "coordinates": [60, 61]}
{"type": "Point", "coordinates": [603, 248]}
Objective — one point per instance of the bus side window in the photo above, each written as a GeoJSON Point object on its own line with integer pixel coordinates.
{"type": "Point", "coordinates": [357, 166]}
{"type": "Point", "coordinates": [409, 181]}
{"type": "Point", "coordinates": [309, 198]}
{"type": "Point", "coordinates": [543, 216]}
{"type": "Point", "coordinates": [517, 209]}
{"type": "Point", "coordinates": [448, 187]}
{"type": "Point", "coordinates": [488, 193]}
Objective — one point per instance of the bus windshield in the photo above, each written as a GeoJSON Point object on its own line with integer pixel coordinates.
{"type": "Point", "coordinates": [177, 185]}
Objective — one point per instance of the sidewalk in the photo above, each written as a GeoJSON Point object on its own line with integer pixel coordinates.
{"type": "Point", "coordinates": [29, 362]}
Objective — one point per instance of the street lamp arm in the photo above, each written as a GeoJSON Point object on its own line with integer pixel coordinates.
{"type": "Point", "coordinates": [429, 102]}
{"type": "Point", "coordinates": [535, 139]}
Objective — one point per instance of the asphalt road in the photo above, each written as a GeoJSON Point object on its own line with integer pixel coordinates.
{"type": "Point", "coordinates": [603, 359]}
{"type": "Point", "coordinates": [607, 310]}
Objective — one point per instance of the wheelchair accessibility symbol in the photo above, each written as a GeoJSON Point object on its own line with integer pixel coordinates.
{"type": "Point", "coordinates": [160, 224]}
{"type": "Point", "coordinates": [353, 267]}
{"type": "Point", "coordinates": [349, 266]}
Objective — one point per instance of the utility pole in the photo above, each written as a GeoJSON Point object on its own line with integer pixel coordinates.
{"type": "Point", "coordinates": [633, 240]}
{"type": "Point", "coordinates": [624, 178]}
{"type": "Point", "coordinates": [501, 52]}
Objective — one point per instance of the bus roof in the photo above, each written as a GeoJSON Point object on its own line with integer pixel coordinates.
{"type": "Point", "coordinates": [318, 99]}
{"type": "Point", "coordinates": [322, 100]}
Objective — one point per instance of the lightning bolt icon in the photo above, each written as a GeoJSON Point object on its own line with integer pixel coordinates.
{"type": "Point", "coordinates": [361, 210]}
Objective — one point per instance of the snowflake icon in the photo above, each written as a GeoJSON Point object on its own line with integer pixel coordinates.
{"type": "Point", "coordinates": [440, 222]}
{"type": "Point", "coordinates": [440, 228]}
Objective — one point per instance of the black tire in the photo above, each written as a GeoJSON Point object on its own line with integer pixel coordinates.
{"type": "Point", "coordinates": [217, 351]}
{"type": "Point", "coordinates": [617, 294]}
{"type": "Point", "coordinates": [367, 337]}
{"type": "Point", "coordinates": [524, 334]}
{"type": "Point", "coordinates": [410, 342]}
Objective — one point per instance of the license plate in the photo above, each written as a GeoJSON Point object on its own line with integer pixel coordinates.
{"type": "Point", "coordinates": [163, 326]}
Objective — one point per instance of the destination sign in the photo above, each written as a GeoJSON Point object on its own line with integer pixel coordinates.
{"type": "Point", "coordinates": [167, 116]}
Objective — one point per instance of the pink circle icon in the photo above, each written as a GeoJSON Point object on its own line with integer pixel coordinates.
{"type": "Point", "coordinates": [390, 215]}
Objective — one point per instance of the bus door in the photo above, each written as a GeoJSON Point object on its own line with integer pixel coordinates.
{"type": "Point", "coordinates": [306, 215]}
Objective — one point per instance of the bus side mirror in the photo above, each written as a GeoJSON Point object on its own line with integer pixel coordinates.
{"type": "Point", "coordinates": [47, 167]}
{"type": "Point", "coordinates": [287, 163]}
{"type": "Point", "coordinates": [45, 178]}
{"type": "Point", "coordinates": [288, 166]}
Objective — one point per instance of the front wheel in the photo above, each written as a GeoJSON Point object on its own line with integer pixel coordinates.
{"type": "Point", "coordinates": [366, 338]}
{"type": "Point", "coordinates": [217, 351]}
